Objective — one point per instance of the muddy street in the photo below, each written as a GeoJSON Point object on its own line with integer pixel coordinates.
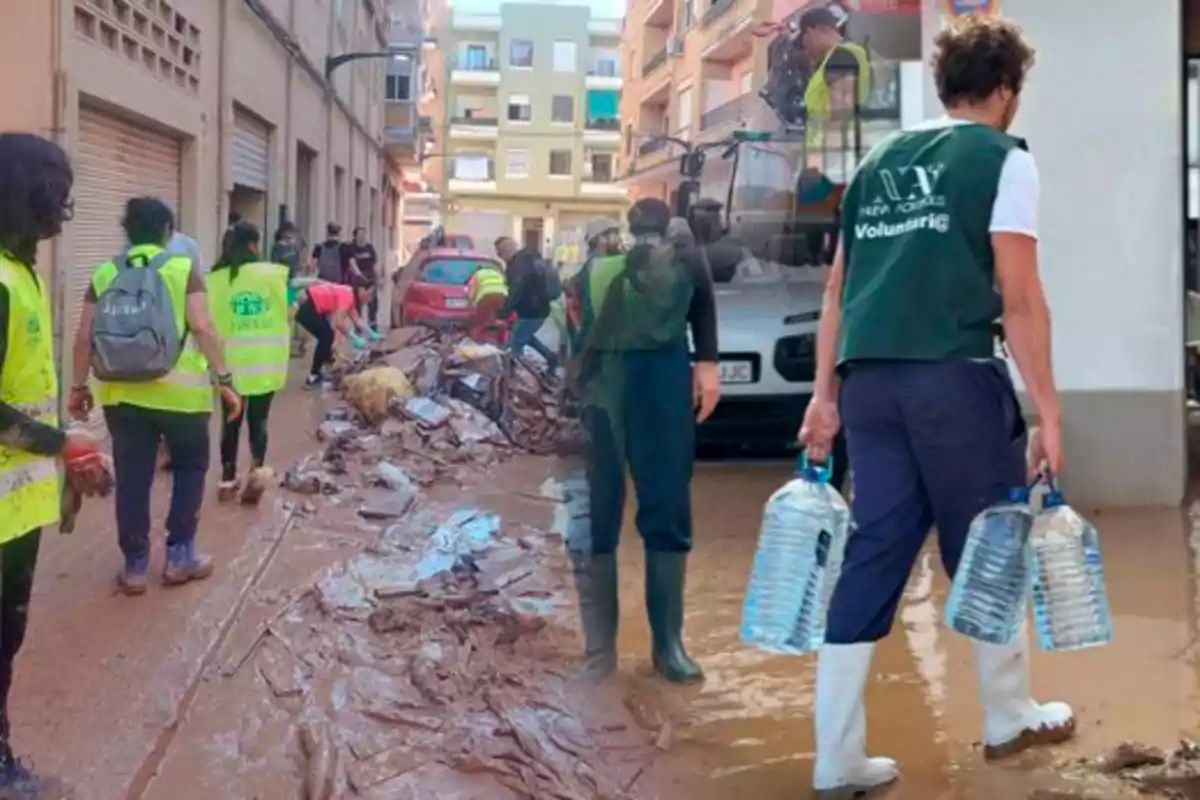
{"type": "Point", "coordinates": [409, 631]}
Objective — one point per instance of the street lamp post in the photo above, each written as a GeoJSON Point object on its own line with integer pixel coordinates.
{"type": "Point", "coordinates": [398, 53]}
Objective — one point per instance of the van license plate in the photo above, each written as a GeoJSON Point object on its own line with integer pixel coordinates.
{"type": "Point", "coordinates": [455, 302]}
{"type": "Point", "coordinates": [736, 371]}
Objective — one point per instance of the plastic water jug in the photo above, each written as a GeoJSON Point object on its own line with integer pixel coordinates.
{"type": "Point", "coordinates": [799, 557]}
{"type": "Point", "coordinates": [1070, 599]}
{"type": "Point", "coordinates": [988, 596]}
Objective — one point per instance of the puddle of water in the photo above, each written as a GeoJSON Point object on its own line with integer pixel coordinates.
{"type": "Point", "coordinates": [748, 730]}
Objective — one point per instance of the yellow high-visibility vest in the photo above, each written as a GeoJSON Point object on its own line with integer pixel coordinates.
{"type": "Point", "coordinates": [250, 313]}
{"type": "Point", "coordinates": [816, 95]}
{"type": "Point", "coordinates": [187, 388]}
{"type": "Point", "coordinates": [30, 485]}
{"type": "Point", "coordinates": [485, 282]}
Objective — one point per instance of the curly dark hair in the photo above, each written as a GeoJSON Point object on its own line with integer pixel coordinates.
{"type": "Point", "coordinates": [147, 220]}
{"type": "Point", "coordinates": [977, 55]}
{"type": "Point", "coordinates": [35, 192]}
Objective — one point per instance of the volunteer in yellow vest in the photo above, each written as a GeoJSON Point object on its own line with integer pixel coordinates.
{"type": "Point", "coordinates": [35, 200]}
{"type": "Point", "coordinates": [174, 408]}
{"type": "Point", "coordinates": [487, 292]}
{"type": "Point", "coordinates": [486, 282]}
{"type": "Point", "coordinates": [840, 69]}
{"type": "Point", "coordinates": [248, 299]}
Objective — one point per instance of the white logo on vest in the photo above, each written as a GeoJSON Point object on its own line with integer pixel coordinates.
{"type": "Point", "coordinates": [907, 192]}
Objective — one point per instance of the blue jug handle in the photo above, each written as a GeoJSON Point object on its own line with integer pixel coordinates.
{"type": "Point", "coordinates": [816, 473]}
{"type": "Point", "coordinates": [1054, 496]}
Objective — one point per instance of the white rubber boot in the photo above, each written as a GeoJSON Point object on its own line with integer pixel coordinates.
{"type": "Point", "coordinates": [842, 768]}
{"type": "Point", "coordinates": [1012, 720]}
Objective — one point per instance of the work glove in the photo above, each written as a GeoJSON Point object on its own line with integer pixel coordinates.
{"type": "Point", "coordinates": [79, 449]}
{"type": "Point", "coordinates": [375, 336]}
{"type": "Point", "coordinates": [358, 342]}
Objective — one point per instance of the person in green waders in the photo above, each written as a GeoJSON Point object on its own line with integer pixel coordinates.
{"type": "Point", "coordinates": [628, 317]}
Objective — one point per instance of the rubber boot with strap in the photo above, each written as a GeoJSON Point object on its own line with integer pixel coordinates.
{"type": "Point", "coordinates": [596, 582]}
{"type": "Point", "coordinates": [666, 575]}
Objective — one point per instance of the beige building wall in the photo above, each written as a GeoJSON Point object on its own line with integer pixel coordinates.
{"type": "Point", "coordinates": [535, 174]}
{"type": "Point", "coordinates": [187, 76]}
{"type": "Point", "coordinates": [693, 72]}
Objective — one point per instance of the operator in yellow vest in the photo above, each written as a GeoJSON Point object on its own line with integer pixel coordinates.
{"type": "Point", "coordinates": [841, 79]}
{"type": "Point", "coordinates": [175, 407]}
{"type": "Point", "coordinates": [248, 299]}
{"type": "Point", "coordinates": [35, 200]}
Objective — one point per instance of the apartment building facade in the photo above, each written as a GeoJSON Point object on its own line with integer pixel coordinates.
{"type": "Point", "coordinates": [217, 106]}
{"type": "Point", "coordinates": [414, 102]}
{"type": "Point", "coordinates": [692, 70]}
{"type": "Point", "coordinates": [531, 131]}
{"type": "Point", "coordinates": [696, 68]}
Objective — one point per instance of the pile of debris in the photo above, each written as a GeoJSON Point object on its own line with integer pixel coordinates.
{"type": "Point", "coordinates": [479, 394]}
{"type": "Point", "coordinates": [1142, 769]}
{"type": "Point", "coordinates": [437, 662]}
{"type": "Point", "coordinates": [432, 665]}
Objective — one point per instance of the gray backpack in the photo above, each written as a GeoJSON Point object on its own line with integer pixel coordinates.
{"type": "Point", "coordinates": [134, 335]}
{"type": "Point", "coordinates": [329, 263]}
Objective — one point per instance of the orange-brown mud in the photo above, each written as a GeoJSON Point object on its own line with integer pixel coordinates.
{"type": "Point", "coordinates": [317, 664]}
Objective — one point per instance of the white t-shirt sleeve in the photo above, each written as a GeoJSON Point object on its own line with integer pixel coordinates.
{"type": "Point", "coordinates": [1016, 206]}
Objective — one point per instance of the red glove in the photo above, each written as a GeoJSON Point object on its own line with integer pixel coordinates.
{"type": "Point", "coordinates": [77, 451]}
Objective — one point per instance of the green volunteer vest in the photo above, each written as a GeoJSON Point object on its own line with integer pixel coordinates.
{"type": "Point", "coordinates": [619, 310]}
{"type": "Point", "coordinates": [642, 310]}
{"type": "Point", "coordinates": [919, 280]}
{"type": "Point", "coordinates": [250, 313]}
{"type": "Point", "coordinates": [187, 388]}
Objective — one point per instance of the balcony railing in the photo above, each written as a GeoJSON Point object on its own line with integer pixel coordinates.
{"type": "Point", "coordinates": [473, 120]}
{"type": "Point", "coordinates": [716, 10]}
{"type": "Point", "coordinates": [654, 62]}
{"type": "Point", "coordinates": [604, 124]}
{"type": "Point", "coordinates": [467, 65]}
{"type": "Point", "coordinates": [732, 111]}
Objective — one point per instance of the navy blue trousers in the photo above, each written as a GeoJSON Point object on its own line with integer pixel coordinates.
{"type": "Point", "coordinates": [932, 444]}
{"type": "Point", "coordinates": [136, 433]}
{"type": "Point", "coordinates": [656, 437]}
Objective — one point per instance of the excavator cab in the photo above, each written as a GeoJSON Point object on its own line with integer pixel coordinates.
{"type": "Point", "coordinates": [790, 169]}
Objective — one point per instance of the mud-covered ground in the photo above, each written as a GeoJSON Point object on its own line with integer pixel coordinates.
{"type": "Point", "coordinates": [377, 639]}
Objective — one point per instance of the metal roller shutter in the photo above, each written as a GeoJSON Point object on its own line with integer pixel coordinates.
{"type": "Point", "coordinates": [114, 161]}
{"type": "Point", "coordinates": [250, 152]}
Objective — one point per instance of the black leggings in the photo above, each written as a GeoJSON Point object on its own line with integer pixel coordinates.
{"type": "Point", "coordinates": [18, 558]}
{"type": "Point", "coordinates": [318, 325]}
{"type": "Point", "coordinates": [256, 412]}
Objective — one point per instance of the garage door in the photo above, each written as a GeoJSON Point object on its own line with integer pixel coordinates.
{"type": "Point", "coordinates": [250, 152]}
{"type": "Point", "coordinates": [484, 227]}
{"type": "Point", "coordinates": [114, 161]}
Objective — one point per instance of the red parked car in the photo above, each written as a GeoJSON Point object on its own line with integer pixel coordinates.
{"type": "Point", "coordinates": [437, 295]}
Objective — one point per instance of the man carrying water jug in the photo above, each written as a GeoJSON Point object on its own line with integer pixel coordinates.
{"type": "Point", "coordinates": [939, 239]}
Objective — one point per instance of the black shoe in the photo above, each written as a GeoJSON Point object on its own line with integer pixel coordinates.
{"type": "Point", "coordinates": [596, 582]}
{"type": "Point", "coordinates": [665, 577]}
{"type": "Point", "coordinates": [18, 782]}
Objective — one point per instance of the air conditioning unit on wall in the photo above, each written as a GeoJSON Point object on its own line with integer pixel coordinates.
{"type": "Point", "coordinates": [675, 46]}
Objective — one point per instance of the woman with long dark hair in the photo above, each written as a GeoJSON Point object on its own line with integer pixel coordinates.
{"type": "Point", "coordinates": [35, 201]}
{"type": "Point", "coordinates": [248, 298]}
